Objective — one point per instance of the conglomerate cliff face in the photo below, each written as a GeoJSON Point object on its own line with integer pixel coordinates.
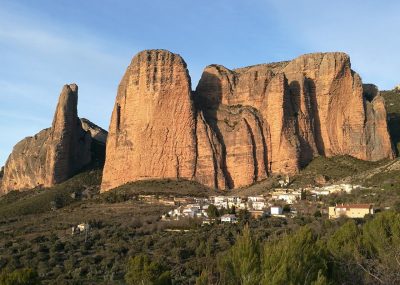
{"type": "Point", "coordinates": [54, 154]}
{"type": "Point", "coordinates": [152, 132]}
{"type": "Point", "coordinates": [240, 125]}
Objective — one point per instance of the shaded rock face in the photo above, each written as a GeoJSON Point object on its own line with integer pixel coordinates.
{"type": "Point", "coordinates": [96, 132]}
{"type": "Point", "coordinates": [240, 125]}
{"type": "Point", "coordinates": [98, 144]}
{"type": "Point", "coordinates": [54, 154]}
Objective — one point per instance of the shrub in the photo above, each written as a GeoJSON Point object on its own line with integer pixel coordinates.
{"type": "Point", "coordinates": [24, 276]}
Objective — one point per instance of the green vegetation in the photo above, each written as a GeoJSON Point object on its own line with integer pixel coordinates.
{"type": "Point", "coordinates": [177, 188]}
{"type": "Point", "coordinates": [141, 270]}
{"type": "Point", "coordinates": [353, 254]}
{"type": "Point", "coordinates": [42, 200]}
{"type": "Point", "coordinates": [24, 276]}
{"type": "Point", "coordinates": [294, 259]}
{"type": "Point", "coordinates": [129, 244]}
{"type": "Point", "coordinates": [334, 168]}
{"type": "Point", "coordinates": [383, 189]}
{"type": "Point", "coordinates": [392, 103]}
{"type": "Point", "coordinates": [119, 232]}
{"type": "Point", "coordinates": [241, 263]}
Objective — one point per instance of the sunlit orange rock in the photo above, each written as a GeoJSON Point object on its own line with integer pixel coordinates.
{"type": "Point", "coordinates": [54, 154]}
{"type": "Point", "coordinates": [241, 125]}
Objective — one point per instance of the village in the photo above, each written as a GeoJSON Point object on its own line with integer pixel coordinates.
{"type": "Point", "coordinates": [281, 202]}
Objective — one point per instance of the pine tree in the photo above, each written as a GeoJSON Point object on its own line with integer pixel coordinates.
{"type": "Point", "coordinates": [294, 259]}
{"type": "Point", "coordinates": [241, 264]}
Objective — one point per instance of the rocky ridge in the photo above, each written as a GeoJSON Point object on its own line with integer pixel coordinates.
{"type": "Point", "coordinates": [241, 125]}
{"type": "Point", "coordinates": [54, 154]}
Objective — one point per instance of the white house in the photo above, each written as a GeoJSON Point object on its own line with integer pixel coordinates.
{"type": "Point", "coordinates": [83, 227]}
{"type": "Point", "coordinates": [334, 188]}
{"type": "Point", "coordinates": [288, 198]}
{"type": "Point", "coordinates": [190, 211]}
{"type": "Point", "coordinates": [234, 201]}
{"type": "Point", "coordinates": [257, 205]}
{"type": "Point", "coordinates": [219, 201]}
{"type": "Point", "coordinates": [276, 210]}
{"type": "Point", "coordinates": [80, 228]}
{"type": "Point", "coordinates": [229, 218]}
{"type": "Point", "coordinates": [242, 206]}
{"type": "Point", "coordinates": [256, 198]}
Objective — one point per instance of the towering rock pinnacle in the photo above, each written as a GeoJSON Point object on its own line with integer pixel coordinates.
{"type": "Point", "coordinates": [69, 147]}
{"type": "Point", "coordinates": [152, 129]}
{"type": "Point", "coordinates": [240, 125]}
{"type": "Point", "coordinates": [53, 155]}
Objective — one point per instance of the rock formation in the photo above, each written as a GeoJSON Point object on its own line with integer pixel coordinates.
{"type": "Point", "coordinates": [97, 133]}
{"type": "Point", "coordinates": [54, 154]}
{"type": "Point", "coordinates": [152, 129]}
{"type": "Point", "coordinates": [240, 125]}
{"type": "Point", "coordinates": [98, 145]}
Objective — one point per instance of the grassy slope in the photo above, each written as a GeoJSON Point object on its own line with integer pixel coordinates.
{"type": "Point", "coordinates": [41, 200]}
{"type": "Point", "coordinates": [177, 188]}
{"type": "Point", "coordinates": [37, 201]}
{"type": "Point", "coordinates": [334, 168]}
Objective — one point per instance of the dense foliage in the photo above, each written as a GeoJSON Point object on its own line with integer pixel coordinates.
{"type": "Point", "coordinates": [24, 276]}
{"type": "Point", "coordinates": [353, 254]}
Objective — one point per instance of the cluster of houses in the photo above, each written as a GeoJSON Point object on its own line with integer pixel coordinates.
{"type": "Point", "coordinates": [331, 189]}
{"type": "Point", "coordinates": [270, 204]}
{"type": "Point", "coordinates": [257, 206]}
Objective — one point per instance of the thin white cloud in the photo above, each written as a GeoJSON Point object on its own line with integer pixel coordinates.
{"type": "Point", "coordinates": [49, 44]}
{"type": "Point", "coordinates": [39, 55]}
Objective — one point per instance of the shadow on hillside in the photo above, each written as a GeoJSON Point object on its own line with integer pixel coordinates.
{"type": "Point", "coordinates": [394, 130]}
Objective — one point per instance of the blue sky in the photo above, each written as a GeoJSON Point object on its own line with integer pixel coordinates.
{"type": "Point", "coordinates": [45, 44]}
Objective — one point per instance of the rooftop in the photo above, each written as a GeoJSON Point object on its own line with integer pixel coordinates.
{"type": "Point", "coordinates": [355, 206]}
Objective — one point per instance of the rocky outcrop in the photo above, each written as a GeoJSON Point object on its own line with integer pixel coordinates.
{"type": "Point", "coordinates": [240, 125]}
{"type": "Point", "coordinates": [54, 154]}
{"type": "Point", "coordinates": [97, 133]}
{"type": "Point", "coordinates": [98, 145]}
{"type": "Point", "coordinates": [378, 141]}
{"type": "Point", "coordinates": [310, 106]}
{"type": "Point", "coordinates": [152, 129]}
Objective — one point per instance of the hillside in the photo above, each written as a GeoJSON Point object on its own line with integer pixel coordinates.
{"type": "Point", "coordinates": [33, 234]}
{"type": "Point", "coordinates": [392, 103]}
